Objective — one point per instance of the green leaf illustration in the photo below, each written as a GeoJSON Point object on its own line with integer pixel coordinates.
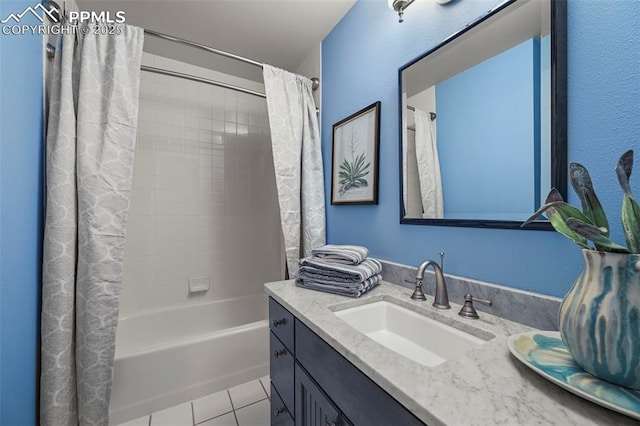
{"type": "Point", "coordinates": [351, 174]}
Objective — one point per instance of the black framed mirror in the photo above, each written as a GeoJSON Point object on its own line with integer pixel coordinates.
{"type": "Point", "coordinates": [483, 120]}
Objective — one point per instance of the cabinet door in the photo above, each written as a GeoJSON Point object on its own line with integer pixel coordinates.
{"type": "Point", "coordinates": [313, 408]}
{"type": "Point", "coordinates": [359, 398]}
{"type": "Point", "coordinates": [345, 421]}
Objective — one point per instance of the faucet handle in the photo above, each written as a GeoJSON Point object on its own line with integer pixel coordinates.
{"type": "Point", "coordinates": [418, 294]}
{"type": "Point", "coordinates": [468, 311]}
{"type": "Point", "coordinates": [477, 299]}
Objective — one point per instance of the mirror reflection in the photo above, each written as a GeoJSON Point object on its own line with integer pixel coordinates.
{"type": "Point", "coordinates": [476, 120]}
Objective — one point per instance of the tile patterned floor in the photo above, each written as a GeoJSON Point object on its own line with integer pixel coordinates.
{"type": "Point", "coordinates": [243, 405]}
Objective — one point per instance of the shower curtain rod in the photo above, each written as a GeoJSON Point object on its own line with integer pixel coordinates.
{"type": "Point", "coordinates": [315, 81]}
{"type": "Point", "coordinates": [202, 47]}
{"type": "Point", "coordinates": [201, 80]}
{"type": "Point", "coordinates": [196, 78]}
{"type": "Point", "coordinates": [432, 115]}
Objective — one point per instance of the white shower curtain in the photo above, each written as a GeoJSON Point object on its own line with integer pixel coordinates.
{"type": "Point", "coordinates": [405, 157]}
{"type": "Point", "coordinates": [89, 160]}
{"type": "Point", "coordinates": [428, 166]}
{"type": "Point", "coordinates": [297, 159]}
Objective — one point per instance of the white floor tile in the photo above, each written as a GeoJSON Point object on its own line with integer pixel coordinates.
{"type": "Point", "coordinates": [266, 384]}
{"type": "Point", "coordinates": [257, 414]}
{"type": "Point", "coordinates": [226, 420]}
{"type": "Point", "coordinates": [211, 406]}
{"type": "Point", "coordinates": [142, 421]}
{"type": "Point", "coordinates": [246, 393]}
{"type": "Point", "coordinates": [179, 415]}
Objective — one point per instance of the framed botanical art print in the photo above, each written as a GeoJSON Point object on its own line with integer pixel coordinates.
{"type": "Point", "coordinates": [354, 168]}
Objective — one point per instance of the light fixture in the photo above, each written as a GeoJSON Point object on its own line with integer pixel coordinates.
{"type": "Point", "coordinates": [399, 6]}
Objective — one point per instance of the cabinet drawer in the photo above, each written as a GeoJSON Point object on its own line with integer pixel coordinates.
{"type": "Point", "coordinates": [280, 415]}
{"type": "Point", "coordinates": [360, 399]}
{"type": "Point", "coordinates": [281, 369]}
{"type": "Point", "coordinates": [281, 323]}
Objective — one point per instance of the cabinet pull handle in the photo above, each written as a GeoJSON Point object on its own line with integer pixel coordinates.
{"type": "Point", "coordinates": [279, 353]}
{"type": "Point", "coordinates": [279, 322]}
{"type": "Point", "coordinates": [278, 411]}
{"type": "Point", "coordinates": [332, 423]}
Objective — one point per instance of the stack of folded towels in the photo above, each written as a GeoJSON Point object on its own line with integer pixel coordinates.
{"type": "Point", "coordinates": [340, 269]}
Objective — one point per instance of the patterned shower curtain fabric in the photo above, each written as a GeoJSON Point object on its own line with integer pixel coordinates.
{"type": "Point", "coordinates": [89, 165]}
{"type": "Point", "coordinates": [297, 158]}
{"type": "Point", "coordinates": [428, 167]}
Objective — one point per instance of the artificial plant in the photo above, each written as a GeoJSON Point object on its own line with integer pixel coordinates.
{"type": "Point", "coordinates": [591, 224]}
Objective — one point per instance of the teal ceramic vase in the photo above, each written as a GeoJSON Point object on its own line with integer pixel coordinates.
{"type": "Point", "coordinates": [600, 317]}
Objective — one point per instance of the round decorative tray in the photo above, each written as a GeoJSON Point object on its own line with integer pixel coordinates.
{"type": "Point", "coordinates": [545, 353]}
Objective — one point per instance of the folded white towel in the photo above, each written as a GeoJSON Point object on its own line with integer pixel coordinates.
{"type": "Point", "coordinates": [345, 254]}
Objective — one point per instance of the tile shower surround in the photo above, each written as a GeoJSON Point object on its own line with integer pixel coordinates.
{"type": "Point", "coordinates": [204, 196]}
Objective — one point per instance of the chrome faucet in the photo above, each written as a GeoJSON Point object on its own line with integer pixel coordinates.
{"type": "Point", "coordinates": [442, 297]}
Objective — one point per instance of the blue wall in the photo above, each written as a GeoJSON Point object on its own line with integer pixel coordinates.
{"type": "Point", "coordinates": [360, 60]}
{"type": "Point", "coordinates": [486, 120]}
{"type": "Point", "coordinates": [21, 136]}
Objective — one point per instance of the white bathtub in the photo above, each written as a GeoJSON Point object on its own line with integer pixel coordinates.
{"type": "Point", "coordinates": [170, 356]}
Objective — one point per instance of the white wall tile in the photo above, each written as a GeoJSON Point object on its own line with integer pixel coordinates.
{"type": "Point", "coordinates": [191, 133]}
{"type": "Point", "coordinates": [176, 118]}
{"type": "Point", "coordinates": [204, 194]}
{"type": "Point", "coordinates": [176, 131]}
{"type": "Point", "coordinates": [204, 124]}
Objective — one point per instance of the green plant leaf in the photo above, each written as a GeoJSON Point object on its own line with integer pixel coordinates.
{"type": "Point", "coordinates": [558, 212]}
{"type": "Point", "coordinates": [346, 166]}
{"type": "Point", "coordinates": [591, 207]}
{"type": "Point", "coordinates": [359, 175]}
{"type": "Point", "coordinates": [623, 170]}
{"type": "Point", "coordinates": [539, 212]}
{"type": "Point", "coordinates": [554, 195]}
{"type": "Point", "coordinates": [554, 199]}
{"type": "Point", "coordinates": [595, 234]}
{"type": "Point", "coordinates": [631, 223]}
{"type": "Point", "coordinates": [630, 208]}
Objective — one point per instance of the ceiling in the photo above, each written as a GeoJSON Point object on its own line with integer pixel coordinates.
{"type": "Point", "coordinates": [281, 33]}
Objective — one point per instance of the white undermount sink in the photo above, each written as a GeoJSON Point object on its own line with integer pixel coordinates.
{"type": "Point", "coordinates": [415, 336]}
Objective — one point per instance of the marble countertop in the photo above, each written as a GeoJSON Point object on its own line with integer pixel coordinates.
{"type": "Point", "coordinates": [483, 386]}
